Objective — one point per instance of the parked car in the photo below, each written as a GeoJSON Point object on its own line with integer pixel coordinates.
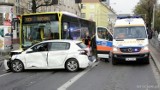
{"type": "Point", "coordinates": [51, 54]}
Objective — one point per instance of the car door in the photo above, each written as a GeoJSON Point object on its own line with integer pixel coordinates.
{"type": "Point", "coordinates": [58, 52]}
{"type": "Point", "coordinates": [37, 58]}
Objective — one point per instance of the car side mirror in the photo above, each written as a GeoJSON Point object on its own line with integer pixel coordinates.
{"type": "Point", "coordinates": [29, 51]}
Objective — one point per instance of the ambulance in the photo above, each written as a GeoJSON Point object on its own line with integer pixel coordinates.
{"type": "Point", "coordinates": [130, 40]}
{"type": "Point", "coordinates": [104, 39]}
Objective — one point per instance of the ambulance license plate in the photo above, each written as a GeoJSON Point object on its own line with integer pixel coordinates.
{"type": "Point", "coordinates": [130, 59]}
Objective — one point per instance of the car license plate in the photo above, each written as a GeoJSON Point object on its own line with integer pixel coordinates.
{"type": "Point", "coordinates": [130, 59]}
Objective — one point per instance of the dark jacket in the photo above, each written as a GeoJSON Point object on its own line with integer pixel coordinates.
{"type": "Point", "coordinates": [87, 40]}
{"type": "Point", "coordinates": [93, 42]}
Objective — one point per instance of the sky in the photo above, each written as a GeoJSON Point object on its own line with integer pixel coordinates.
{"type": "Point", "coordinates": [123, 6]}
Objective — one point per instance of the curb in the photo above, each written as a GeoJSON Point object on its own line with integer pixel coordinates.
{"type": "Point", "coordinates": [156, 62]}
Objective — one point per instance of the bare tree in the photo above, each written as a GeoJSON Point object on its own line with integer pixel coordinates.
{"type": "Point", "coordinates": [146, 7]}
{"type": "Point", "coordinates": [35, 4]}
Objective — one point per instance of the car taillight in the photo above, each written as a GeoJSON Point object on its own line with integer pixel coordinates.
{"type": "Point", "coordinates": [83, 52]}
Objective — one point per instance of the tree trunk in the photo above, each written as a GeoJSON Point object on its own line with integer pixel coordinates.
{"type": "Point", "coordinates": [34, 6]}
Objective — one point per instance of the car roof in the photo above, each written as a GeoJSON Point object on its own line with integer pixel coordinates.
{"type": "Point", "coordinates": [62, 40]}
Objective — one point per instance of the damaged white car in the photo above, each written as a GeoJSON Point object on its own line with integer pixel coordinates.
{"type": "Point", "coordinates": [51, 54]}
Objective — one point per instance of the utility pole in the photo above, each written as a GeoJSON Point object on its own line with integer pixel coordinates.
{"type": "Point", "coordinates": [153, 17]}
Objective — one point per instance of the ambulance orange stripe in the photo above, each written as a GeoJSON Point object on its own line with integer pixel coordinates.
{"type": "Point", "coordinates": [104, 48]}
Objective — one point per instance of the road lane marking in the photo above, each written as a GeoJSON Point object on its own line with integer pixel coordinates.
{"type": "Point", "coordinates": [74, 79]}
{"type": "Point", "coordinates": [4, 74]}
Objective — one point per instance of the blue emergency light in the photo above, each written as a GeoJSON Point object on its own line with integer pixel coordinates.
{"type": "Point", "coordinates": [123, 17]}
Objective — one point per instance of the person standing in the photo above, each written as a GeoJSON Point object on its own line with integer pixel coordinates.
{"type": "Point", "coordinates": [94, 46]}
{"type": "Point", "coordinates": [87, 40]}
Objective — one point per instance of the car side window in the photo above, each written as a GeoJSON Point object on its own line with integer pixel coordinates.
{"type": "Point", "coordinates": [59, 46]}
{"type": "Point", "coordinates": [40, 47]}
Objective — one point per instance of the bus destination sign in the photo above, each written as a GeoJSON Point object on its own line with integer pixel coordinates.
{"type": "Point", "coordinates": [39, 18]}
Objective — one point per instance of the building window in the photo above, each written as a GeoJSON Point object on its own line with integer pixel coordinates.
{"type": "Point", "coordinates": [92, 16]}
{"type": "Point", "coordinates": [61, 2]}
{"type": "Point", "coordinates": [91, 6]}
{"type": "Point", "coordinates": [17, 10]}
{"type": "Point", "coordinates": [83, 15]}
{"type": "Point", "coordinates": [2, 0]}
{"type": "Point", "coordinates": [1, 18]}
{"type": "Point", "coordinates": [83, 6]}
{"type": "Point", "coordinates": [17, 1]}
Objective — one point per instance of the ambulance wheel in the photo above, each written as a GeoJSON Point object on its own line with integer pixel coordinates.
{"type": "Point", "coordinates": [146, 61]}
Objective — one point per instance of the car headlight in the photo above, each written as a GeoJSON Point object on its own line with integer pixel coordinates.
{"type": "Point", "coordinates": [14, 57]}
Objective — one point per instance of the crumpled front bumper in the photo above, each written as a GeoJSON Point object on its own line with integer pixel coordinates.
{"type": "Point", "coordinates": [7, 64]}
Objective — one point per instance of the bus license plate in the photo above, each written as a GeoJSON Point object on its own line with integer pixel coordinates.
{"type": "Point", "coordinates": [130, 59]}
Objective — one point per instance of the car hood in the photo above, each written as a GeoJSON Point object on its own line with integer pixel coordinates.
{"type": "Point", "coordinates": [17, 51]}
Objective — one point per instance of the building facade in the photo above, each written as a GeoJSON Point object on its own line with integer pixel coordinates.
{"type": "Point", "coordinates": [63, 5]}
{"type": "Point", "coordinates": [19, 7]}
{"type": "Point", "coordinates": [6, 15]}
{"type": "Point", "coordinates": [98, 11]}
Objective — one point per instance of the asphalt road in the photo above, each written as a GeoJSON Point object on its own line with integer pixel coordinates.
{"type": "Point", "coordinates": [102, 76]}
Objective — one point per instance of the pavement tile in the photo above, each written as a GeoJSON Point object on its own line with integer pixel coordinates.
{"type": "Point", "coordinates": [155, 55]}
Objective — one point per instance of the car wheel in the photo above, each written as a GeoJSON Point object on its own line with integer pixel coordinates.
{"type": "Point", "coordinates": [17, 66]}
{"type": "Point", "coordinates": [72, 65]}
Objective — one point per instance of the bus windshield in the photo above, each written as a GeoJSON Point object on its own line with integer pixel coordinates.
{"type": "Point", "coordinates": [35, 32]}
{"type": "Point", "coordinates": [130, 32]}
{"type": "Point", "coordinates": [49, 26]}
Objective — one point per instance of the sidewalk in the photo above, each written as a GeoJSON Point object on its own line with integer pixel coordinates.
{"type": "Point", "coordinates": [3, 55]}
{"type": "Point", "coordinates": [155, 53]}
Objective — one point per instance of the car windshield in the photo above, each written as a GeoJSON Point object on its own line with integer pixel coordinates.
{"type": "Point", "coordinates": [130, 32]}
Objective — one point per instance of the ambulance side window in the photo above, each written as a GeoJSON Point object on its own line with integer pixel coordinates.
{"type": "Point", "coordinates": [104, 34]}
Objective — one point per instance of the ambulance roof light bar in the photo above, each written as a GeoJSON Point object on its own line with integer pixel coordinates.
{"type": "Point", "coordinates": [124, 17]}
